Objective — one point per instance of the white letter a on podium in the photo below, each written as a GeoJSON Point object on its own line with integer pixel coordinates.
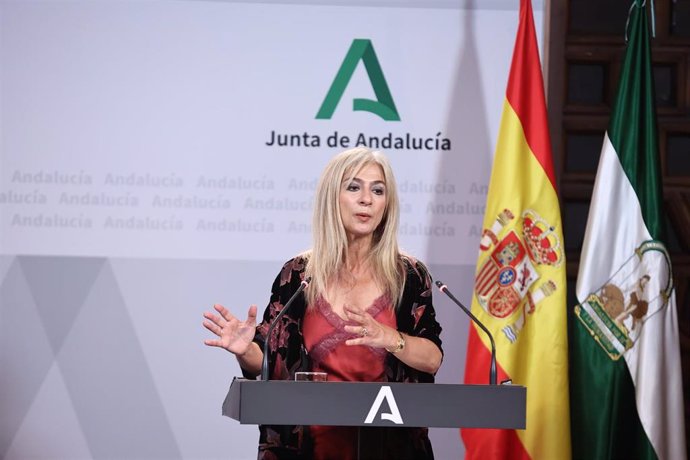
{"type": "Point", "coordinates": [394, 416]}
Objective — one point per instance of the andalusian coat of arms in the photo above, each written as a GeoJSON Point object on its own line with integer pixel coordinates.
{"type": "Point", "coordinates": [616, 312]}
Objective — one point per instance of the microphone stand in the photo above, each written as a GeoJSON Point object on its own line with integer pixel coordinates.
{"type": "Point", "coordinates": [264, 364]}
{"type": "Point", "coordinates": [492, 371]}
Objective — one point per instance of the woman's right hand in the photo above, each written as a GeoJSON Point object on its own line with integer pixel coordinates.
{"type": "Point", "coordinates": [233, 335]}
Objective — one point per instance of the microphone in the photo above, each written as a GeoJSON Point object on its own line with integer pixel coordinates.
{"type": "Point", "coordinates": [264, 364]}
{"type": "Point", "coordinates": [492, 371]}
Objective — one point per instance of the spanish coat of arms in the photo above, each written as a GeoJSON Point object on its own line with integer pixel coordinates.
{"type": "Point", "coordinates": [509, 277]}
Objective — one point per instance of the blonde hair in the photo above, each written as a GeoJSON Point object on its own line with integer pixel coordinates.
{"type": "Point", "coordinates": [328, 255]}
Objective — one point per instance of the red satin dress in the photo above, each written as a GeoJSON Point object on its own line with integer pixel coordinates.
{"type": "Point", "coordinates": [324, 337]}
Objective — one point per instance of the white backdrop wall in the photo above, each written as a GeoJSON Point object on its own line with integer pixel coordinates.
{"type": "Point", "coordinates": [138, 187]}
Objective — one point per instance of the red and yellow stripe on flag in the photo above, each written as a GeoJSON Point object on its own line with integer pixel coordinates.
{"type": "Point", "coordinates": [520, 286]}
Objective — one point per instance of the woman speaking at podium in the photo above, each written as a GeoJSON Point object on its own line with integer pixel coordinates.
{"type": "Point", "coordinates": [366, 316]}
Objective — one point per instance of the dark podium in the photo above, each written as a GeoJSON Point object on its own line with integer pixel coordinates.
{"type": "Point", "coordinates": [281, 402]}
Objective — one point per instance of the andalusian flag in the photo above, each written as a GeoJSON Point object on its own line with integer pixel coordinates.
{"type": "Point", "coordinates": [626, 390]}
{"type": "Point", "coordinates": [520, 285]}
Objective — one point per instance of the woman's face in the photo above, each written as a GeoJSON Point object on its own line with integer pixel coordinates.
{"type": "Point", "coordinates": [363, 201]}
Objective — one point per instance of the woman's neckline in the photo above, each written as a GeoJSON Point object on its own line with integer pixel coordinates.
{"type": "Point", "coordinates": [376, 306]}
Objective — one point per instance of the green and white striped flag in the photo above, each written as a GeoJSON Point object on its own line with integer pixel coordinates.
{"type": "Point", "coordinates": [625, 374]}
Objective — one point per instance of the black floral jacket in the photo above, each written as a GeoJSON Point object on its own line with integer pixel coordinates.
{"type": "Point", "coordinates": [415, 316]}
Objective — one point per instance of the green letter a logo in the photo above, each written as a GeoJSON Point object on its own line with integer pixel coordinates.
{"type": "Point", "coordinates": [384, 107]}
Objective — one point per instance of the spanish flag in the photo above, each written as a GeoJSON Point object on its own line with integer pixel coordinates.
{"type": "Point", "coordinates": [520, 282]}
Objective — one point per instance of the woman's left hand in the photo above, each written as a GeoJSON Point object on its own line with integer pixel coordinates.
{"type": "Point", "coordinates": [370, 331]}
{"type": "Point", "coordinates": [419, 352]}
